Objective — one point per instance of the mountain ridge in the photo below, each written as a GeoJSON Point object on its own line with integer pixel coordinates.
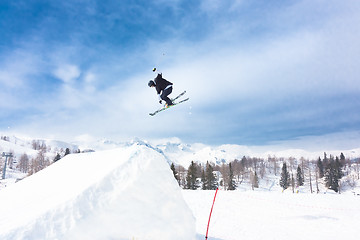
{"type": "Point", "coordinates": [174, 150]}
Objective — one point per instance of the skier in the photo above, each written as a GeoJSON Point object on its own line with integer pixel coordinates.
{"type": "Point", "coordinates": [163, 88]}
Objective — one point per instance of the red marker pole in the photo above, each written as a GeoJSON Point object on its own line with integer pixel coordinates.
{"type": "Point", "coordinates": [207, 230]}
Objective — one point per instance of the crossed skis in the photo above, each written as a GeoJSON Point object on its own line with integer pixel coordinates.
{"type": "Point", "coordinates": [174, 103]}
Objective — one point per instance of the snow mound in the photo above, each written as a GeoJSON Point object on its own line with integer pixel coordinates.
{"type": "Point", "coordinates": [126, 193]}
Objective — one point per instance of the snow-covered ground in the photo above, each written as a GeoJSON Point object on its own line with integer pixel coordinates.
{"type": "Point", "coordinates": [129, 192]}
{"type": "Point", "coordinates": [268, 215]}
{"type": "Point", "coordinates": [12, 176]}
{"type": "Point", "coordinates": [126, 193]}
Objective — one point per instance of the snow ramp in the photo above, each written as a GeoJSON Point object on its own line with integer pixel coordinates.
{"type": "Point", "coordinates": [127, 193]}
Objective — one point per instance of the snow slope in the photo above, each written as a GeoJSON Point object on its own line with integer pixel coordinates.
{"type": "Point", "coordinates": [125, 193]}
{"type": "Point", "coordinates": [258, 215]}
{"type": "Point", "coordinates": [16, 148]}
{"type": "Point", "coordinates": [21, 145]}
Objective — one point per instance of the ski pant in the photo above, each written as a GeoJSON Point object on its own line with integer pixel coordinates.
{"type": "Point", "coordinates": [164, 95]}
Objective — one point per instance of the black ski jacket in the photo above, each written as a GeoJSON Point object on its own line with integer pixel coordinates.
{"type": "Point", "coordinates": [161, 83]}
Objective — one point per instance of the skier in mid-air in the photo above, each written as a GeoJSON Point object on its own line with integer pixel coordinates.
{"type": "Point", "coordinates": [163, 88]}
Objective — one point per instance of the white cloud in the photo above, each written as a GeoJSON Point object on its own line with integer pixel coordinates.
{"type": "Point", "coordinates": [89, 82]}
{"type": "Point", "coordinates": [89, 78]}
{"type": "Point", "coordinates": [17, 67]}
{"type": "Point", "coordinates": [253, 70]}
{"type": "Point", "coordinates": [67, 73]}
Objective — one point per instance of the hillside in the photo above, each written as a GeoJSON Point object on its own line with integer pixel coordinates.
{"type": "Point", "coordinates": [268, 162]}
{"type": "Point", "coordinates": [125, 193]}
{"type": "Point", "coordinates": [24, 145]}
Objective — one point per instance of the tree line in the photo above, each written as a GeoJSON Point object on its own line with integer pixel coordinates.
{"type": "Point", "coordinates": [31, 165]}
{"type": "Point", "coordinates": [330, 172]}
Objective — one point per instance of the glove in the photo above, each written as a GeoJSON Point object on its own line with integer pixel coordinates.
{"type": "Point", "coordinates": [160, 102]}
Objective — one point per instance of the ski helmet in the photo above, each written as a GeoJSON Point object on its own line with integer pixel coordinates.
{"type": "Point", "coordinates": [151, 83]}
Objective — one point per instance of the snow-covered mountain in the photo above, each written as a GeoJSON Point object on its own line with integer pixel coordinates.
{"type": "Point", "coordinates": [174, 150]}
{"type": "Point", "coordinates": [183, 154]}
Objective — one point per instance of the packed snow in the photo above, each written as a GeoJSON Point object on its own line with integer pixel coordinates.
{"type": "Point", "coordinates": [258, 215]}
{"type": "Point", "coordinates": [126, 193]}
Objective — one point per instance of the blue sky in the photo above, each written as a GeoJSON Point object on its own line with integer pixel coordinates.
{"type": "Point", "coordinates": [256, 72]}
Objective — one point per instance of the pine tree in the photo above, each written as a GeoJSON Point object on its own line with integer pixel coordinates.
{"type": "Point", "coordinates": [299, 177]}
{"type": "Point", "coordinates": [231, 184]}
{"type": "Point", "coordinates": [67, 151]}
{"type": "Point", "coordinates": [333, 174]}
{"type": "Point", "coordinates": [172, 167]}
{"type": "Point", "coordinates": [203, 180]}
{"type": "Point", "coordinates": [57, 157]}
{"type": "Point", "coordinates": [285, 177]}
{"type": "Point", "coordinates": [338, 168]}
{"type": "Point", "coordinates": [191, 181]}
{"type": "Point", "coordinates": [342, 160]}
{"type": "Point", "coordinates": [325, 161]}
{"type": "Point", "coordinates": [211, 182]}
{"type": "Point", "coordinates": [320, 168]}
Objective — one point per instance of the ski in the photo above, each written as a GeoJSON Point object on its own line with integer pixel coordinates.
{"type": "Point", "coordinates": [172, 99]}
{"type": "Point", "coordinates": [164, 108]}
{"type": "Point", "coordinates": [181, 94]}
